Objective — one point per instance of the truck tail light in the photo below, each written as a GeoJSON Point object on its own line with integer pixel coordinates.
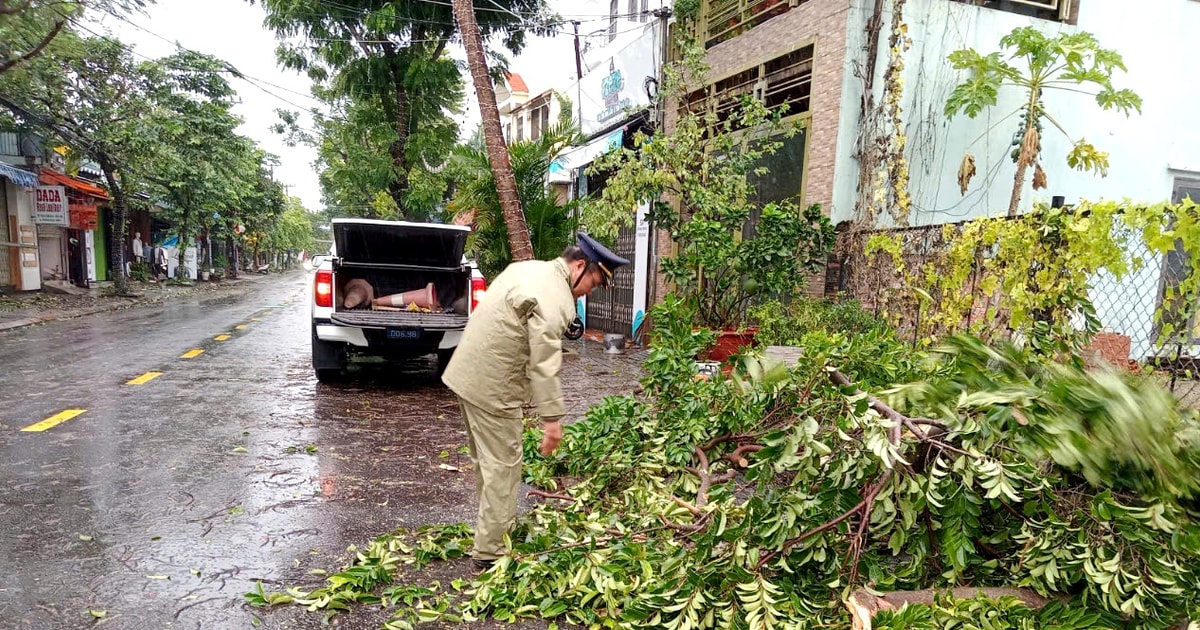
{"type": "Point", "coordinates": [323, 288]}
{"type": "Point", "coordinates": [478, 289]}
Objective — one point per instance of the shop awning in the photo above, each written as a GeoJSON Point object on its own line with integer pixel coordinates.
{"type": "Point", "coordinates": [18, 176]}
{"type": "Point", "coordinates": [579, 157]}
{"type": "Point", "coordinates": [54, 178]}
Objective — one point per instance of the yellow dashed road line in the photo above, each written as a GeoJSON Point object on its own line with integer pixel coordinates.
{"type": "Point", "coordinates": [145, 378]}
{"type": "Point", "coordinates": [221, 337]}
{"type": "Point", "coordinates": [191, 354]}
{"type": "Point", "coordinates": [54, 420]}
{"type": "Point", "coordinates": [240, 327]}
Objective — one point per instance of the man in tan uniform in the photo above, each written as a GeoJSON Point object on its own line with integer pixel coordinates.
{"type": "Point", "coordinates": [510, 354]}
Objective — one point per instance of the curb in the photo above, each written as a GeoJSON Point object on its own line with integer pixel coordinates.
{"type": "Point", "coordinates": [30, 321]}
{"type": "Point", "coordinates": [21, 323]}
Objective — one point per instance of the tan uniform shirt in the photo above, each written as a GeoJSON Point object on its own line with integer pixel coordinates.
{"type": "Point", "coordinates": [511, 351]}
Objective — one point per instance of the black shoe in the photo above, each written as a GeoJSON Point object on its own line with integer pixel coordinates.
{"type": "Point", "coordinates": [482, 565]}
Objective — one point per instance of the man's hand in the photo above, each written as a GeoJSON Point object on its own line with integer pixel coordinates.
{"type": "Point", "coordinates": [551, 435]}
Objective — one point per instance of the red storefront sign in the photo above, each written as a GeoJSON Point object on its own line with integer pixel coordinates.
{"type": "Point", "coordinates": [84, 216]}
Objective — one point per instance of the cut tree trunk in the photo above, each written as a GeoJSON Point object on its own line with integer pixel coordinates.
{"type": "Point", "coordinates": [493, 137]}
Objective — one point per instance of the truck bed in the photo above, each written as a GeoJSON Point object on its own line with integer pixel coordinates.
{"type": "Point", "coordinates": [400, 319]}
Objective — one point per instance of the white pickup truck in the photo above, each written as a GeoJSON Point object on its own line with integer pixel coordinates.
{"type": "Point", "coordinates": [358, 308]}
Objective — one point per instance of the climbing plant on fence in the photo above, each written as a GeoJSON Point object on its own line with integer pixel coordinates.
{"type": "Point", "coordinates": [1031, 273]}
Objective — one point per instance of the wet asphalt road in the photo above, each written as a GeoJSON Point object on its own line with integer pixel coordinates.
{"type": "Point", "coordinates": [163, 502]}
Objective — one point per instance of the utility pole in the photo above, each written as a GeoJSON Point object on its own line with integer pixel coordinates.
{"type": "Point", "coordinates": [664, 15]}
{"type": "Point", "coordinates": [578, 76]}
{"type": "Point", "coordinates": [493, 136]}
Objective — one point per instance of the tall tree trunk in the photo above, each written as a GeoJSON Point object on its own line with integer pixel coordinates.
{"type": "Point", "coordinates": [181, 249]}
{"type": "Point", "coordinates": [231, 255]}
{"type": "Point", "coordinates": [1018, 185]}
{"type": "Point", "coordinates": [1030, 147]}
{"type": "Point", "coordinates": [493, 137]}
{"type": "Point", "coordinates": [398, 188]}
{"type": "Point", "coordinates": [120, 219]}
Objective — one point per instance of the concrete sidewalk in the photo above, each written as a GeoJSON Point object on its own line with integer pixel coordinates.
{"type": "Point", "coordinates": [37, 307]}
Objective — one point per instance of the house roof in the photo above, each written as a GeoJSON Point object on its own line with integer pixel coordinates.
{"type": "Point", "coordinates": [516, 83]}
{"type": "Point", "coordinates": [54, 178]}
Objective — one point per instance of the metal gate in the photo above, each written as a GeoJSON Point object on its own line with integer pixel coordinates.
{"type": "Point", "coordinates": [611, 310]}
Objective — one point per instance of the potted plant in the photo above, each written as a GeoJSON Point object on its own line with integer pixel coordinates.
{"type": "Point", "coordinates": [730, 248]}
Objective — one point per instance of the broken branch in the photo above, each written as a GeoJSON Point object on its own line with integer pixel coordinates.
{"type": "Point", "coordinates": [738, 456]}
{"type": "Point", "coordinates": [551, 495]}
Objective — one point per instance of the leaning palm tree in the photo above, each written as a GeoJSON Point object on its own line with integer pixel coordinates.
{"type": "Point", "coordinates": [551, 223]}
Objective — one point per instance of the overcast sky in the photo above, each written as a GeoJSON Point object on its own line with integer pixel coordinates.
{"type": "Point", "coordinates": [233, 30]}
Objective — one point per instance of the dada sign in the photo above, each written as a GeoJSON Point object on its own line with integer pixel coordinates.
{"type": "Point", "coordinates": [51, 206]}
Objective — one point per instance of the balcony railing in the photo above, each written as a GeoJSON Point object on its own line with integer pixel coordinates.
{"type": "Point", "coordinates": [722, 20]}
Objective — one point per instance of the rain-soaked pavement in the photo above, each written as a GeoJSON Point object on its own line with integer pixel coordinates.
{"type": "Point", "coordinates": [162, 503]}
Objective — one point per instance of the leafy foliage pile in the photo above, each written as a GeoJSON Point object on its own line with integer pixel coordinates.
{"type": "Point", "coordinates": [769, 498]}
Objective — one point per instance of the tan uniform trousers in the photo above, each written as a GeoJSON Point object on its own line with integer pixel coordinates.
{"type": "Point", "coordinates": [495, 443]}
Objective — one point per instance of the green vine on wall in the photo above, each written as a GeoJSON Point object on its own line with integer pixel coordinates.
{"type": "Point", "coordinates": [893, 85]}
{"type": "Point", "coordinates": [883, 179]}
{"type": "Point", "coordinates": [1031, 274]}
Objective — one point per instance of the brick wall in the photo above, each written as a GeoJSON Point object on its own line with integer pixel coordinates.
{"type": "Point", "coordinates": [822, 22]}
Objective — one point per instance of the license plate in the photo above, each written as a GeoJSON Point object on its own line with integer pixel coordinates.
{"type": "Point", "coordinates": [404, 333]}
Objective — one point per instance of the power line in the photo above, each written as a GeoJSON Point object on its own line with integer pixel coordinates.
{"type": "Point", "coordinates": [543, 21]}
{"type": "Point", "coordinates": [231, 69]}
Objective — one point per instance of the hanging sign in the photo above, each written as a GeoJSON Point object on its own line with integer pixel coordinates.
{"type": "Point", "coordinates": [50, 206]}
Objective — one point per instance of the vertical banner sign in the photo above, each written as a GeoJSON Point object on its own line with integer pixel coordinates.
{"type": "Point", "coordinates": [641, 268]}
{"type": "Point", "coordinates": [51, 206]}
{"type": "Point", "coordinates": [89, 253]}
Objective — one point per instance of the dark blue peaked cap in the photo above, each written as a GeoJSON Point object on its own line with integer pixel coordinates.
{"type": "Point", "coordinates": [601, 255]}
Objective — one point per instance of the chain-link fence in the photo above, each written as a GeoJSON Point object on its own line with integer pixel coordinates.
{"type": "Point", "coordinates": [1130, 311]}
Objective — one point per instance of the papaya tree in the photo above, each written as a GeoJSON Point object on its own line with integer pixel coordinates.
{"type": "Point", "coordinates": [1036, 63]}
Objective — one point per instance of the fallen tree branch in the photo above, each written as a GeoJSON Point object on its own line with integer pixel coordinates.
{"type": "Point", "coordinates": [551, 495]}
{"type": "Point", "coordinates": [707, 479]}
{"type": "Point", "coordinates": [732, 437]}
{"type": "Point", "coordinates": [856, 545]}
{"type": "Point", "coordinates": [792, 542]}
{"type": "Point", "coordinates": [593, 541]}
{"type": "Point", "coordinates": [864, 507]}
{"type": "Point", "coordinates": [738, 456]}
{"type": "Point", "coordinates": [884, 410]}
{"type": "Point", "coordinates": [689, 529]}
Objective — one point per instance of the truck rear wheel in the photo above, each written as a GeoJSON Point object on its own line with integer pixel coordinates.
{"type": "Point", "coordinates": [328, 360]}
